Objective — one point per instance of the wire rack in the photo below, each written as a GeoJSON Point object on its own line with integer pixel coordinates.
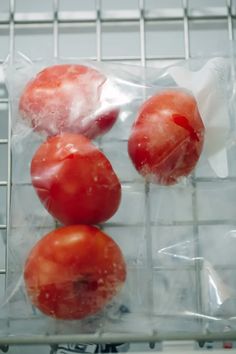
{"type": "Point", "coordinates": [148, 33]}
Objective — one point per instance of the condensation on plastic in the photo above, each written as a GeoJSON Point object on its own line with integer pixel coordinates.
{"type": "Point", "coordinates": [178, 241]}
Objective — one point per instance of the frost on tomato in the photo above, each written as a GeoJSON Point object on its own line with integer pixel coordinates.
{"type": "Point", "coordinates": [167, 137]}
{"type": "Point", "coordinates": [73, 272]}
{"type": "Point", "coordinates": [74, 180]}
{"type": "Point", "coordinates": [67, 98]}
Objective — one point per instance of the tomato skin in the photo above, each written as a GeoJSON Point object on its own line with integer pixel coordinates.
{"type": "Point", "coordinates": [74, 180]}
{"type": "Point", "coordinates": [167, 137]}
{"type": "Point", "coordinates": [66, 98]}
{"type": "Point", "coordinates": [74, 271]}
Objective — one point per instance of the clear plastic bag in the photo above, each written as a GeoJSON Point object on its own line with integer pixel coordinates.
{"type": "Point", "coordinates": [178, 240]}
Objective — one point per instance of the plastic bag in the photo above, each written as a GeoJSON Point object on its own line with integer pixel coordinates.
{"type": "Point", "coordinates": [177, 240]}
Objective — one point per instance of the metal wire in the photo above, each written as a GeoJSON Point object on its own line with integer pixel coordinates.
{"type": "Point", "coordinates": [199, 307]}
{"type": "Point", "coordinates": [186, 30]}
{"type": "Point", "coordinates": [117, 338]}
{"type": "Point", "coordinates": [230, 20]}
{"type": "Point", "coordinates": [142, 33]}
{"type": "Point", "coordinates": [98, 30]}
{"type": "Point", "coordinates": [8, 184]}
{"type": "Point", "coordinates": [175, 14]}
{"type": "Point", "coordinates": [55, 29]}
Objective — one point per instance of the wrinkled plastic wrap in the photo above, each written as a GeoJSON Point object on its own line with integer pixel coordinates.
{"type": "Point", "coordinates": [178, 240]}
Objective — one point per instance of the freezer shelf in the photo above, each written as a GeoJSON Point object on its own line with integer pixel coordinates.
{"type": "Point", "coordinates": [152, 33]}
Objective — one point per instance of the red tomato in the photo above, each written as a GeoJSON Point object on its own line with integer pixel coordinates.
{"type": "Point", "coordinates": [167, 137]}
{"type": "Point", "coordinates": [74, 180]}
{"type": "Point", "coordinates": [66, 98]}
{"type": "Point", "coordinates": [74, 271]}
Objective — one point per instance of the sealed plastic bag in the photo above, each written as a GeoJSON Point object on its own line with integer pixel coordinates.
{"type": "Point", "coordinates": [145, 154]}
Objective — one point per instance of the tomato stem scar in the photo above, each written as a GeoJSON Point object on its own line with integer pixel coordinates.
{"type": "Point", "coordinates": [85, 283]}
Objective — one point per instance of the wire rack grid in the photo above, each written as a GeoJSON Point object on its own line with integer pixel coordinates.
{"type": "Point", "coordinates": [101, 19]}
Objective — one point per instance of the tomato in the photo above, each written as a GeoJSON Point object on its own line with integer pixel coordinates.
{"type": "Point", "coordinates": [74, 271]}
{"type": "Point", "coordinates": [167, 137]}
{"type": "Point", "coordinates": [66, 98]}
{"type": "Point", "coordinates": [74, 180]}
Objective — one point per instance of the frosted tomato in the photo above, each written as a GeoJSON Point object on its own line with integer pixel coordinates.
{"type": "Point", "coordinates": [67, 98]}
{"type": "Point", "coordinates": [167, 137]}
{"type": "Point", "coordinates": [74, 180]}
{"type": "Point", "coordinates": [73, 272]}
